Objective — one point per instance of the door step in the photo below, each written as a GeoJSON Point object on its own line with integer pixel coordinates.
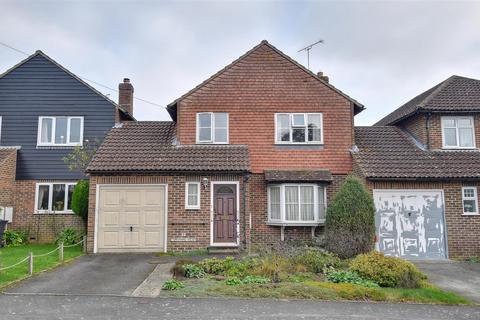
{"type": "Point", "coordinates": [222, 250]}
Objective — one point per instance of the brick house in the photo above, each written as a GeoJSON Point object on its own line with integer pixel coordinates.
{"type": "Point", "coordinates": [253, 155]}
{"type": "Point", "coordinates": [422, 164]}
{"type": "Point", "coordinates": [45, 111]}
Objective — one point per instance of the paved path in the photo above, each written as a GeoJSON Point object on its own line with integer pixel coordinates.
{"type": "Point", "coordinates": [152, 286]}
{"type": "Point", "coordinates": [459, 277]}
{"type": "Point", "coordinates": [116, 308]}
{"type": "Point", "coordinates": [102, 274]}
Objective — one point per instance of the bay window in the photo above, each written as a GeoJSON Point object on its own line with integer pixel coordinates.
{"type": "Point", "coordinates": [296, 204]}
{"type": "Point", "coordinates": [60, 131]}
{"type": "Point", "coordinates": [298, 128]}
{"type": "Point", "coordinates": [54, 197]}
{"type": "Point", "coordinates": [212, 127]}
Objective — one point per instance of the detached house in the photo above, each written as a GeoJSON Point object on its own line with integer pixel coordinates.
{"type": "Point", "coordinates": [253, 155]}
{"type": "Point", "coordinates": [45, 111]}
{"type": "Point", "coordinates": [422, 162]}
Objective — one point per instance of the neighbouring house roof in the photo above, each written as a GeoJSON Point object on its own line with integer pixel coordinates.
{"type": "Point", "coordinates": [387, 152]}
{"type": "Point", "coordinates": [455, 94]}
{"type": "Point", "coordinates": [172, 107]}
{"type": "Point", "coordinates": [150, 146]}
{"type": "Point", "coordinates": [311, 175]}
{"type": "Point", "coordinates": [42, 54]}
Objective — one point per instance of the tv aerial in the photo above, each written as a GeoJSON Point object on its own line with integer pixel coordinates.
{"type": "Point", "coordinates": [307, 50]}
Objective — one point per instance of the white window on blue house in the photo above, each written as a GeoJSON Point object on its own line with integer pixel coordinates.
{"type": "Point", "coordinates": [54, 197]}
{"type": "Point", "coordinates": [60, 131]}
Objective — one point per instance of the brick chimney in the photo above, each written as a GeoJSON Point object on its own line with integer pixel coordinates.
{"type": "Point", "coordinates": [125, 95]}
{"type": "Point", "coordinates": [322, 76]}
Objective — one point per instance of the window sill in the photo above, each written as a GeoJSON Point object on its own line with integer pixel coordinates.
{"type": "Point", "coordinates": [296, 224]}
{"type": "Point", "coordinates": [470, 214]}
{"type": "Point", "coordinates": [210, 143]}
{"type": "Point", "coordinates": [458, 148]}
{"type": "Point", "coordinates": [58, 146]}
{"type": "Point", "coordinates": [52, 213]}
{"type": "Point", "coordinates": [192, 208]}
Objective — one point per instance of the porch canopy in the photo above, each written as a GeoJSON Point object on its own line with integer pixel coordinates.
{"type": "Point", "coordinates": [298, 175]}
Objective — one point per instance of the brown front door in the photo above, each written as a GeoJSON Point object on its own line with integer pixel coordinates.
{"type": "Point", "coordinates": [224, 213]}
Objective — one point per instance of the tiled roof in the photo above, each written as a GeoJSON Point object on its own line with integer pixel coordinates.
{"type": "Point", "coordinates": [298, 175]}
{"type": "Point", "coordinates": [386, 152]}
{"type": "Point", "coordinates": [454, 94]}
{"type": "Point", "coordinates": [149, 146]}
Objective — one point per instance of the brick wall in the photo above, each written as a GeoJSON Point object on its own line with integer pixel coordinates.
{"type": "Point", "coordinates": [256, 88]}
{"type": "Point", "coordinates": [41, 228]}
{"type": "Point", "coordinates": [415, 125]}
{"type": "Point", "coordinates": [187, 229]}
{"type": "Point", "coordinates": [7, 178]}
{"type": "Point", "coordinates": [462, 231]}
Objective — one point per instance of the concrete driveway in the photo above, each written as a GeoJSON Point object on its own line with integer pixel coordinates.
{"type": "Point", "coordinates": [103, 274]}
{"type": "Point", "coordinates": [459, 277]}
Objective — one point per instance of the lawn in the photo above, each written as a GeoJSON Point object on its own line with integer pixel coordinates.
{"type": "Point", "coordinates": [11, 255]}
{"type": "Point", "coordinates": [314, 290]}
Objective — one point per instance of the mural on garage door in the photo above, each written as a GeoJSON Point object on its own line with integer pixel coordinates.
{"type": "Point", "coordinates": [410, 224]}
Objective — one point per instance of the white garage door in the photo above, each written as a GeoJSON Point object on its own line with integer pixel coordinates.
{"type": "Point", "coordinates": [410, 223]}
{"type": "Point", "coordinates": [131, 218]}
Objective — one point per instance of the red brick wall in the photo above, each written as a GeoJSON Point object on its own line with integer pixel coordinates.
{"type": "Point", "coordinates": [462, 231]}
{"type": "Point", "coordinates": [435, 131]}
{"type": "Point", "coordinates": [41, 228]}
{"type": "Point", "coordinates": [187, 229]}
{"type": "Point", "coordinates": [256, 88]}
{"type": "Point", "coordinates": [415, 125]}
{"type": "Point", "coordinates": [7, 179]}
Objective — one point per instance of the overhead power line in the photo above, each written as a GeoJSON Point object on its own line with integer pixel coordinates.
{"type": "Point", "coordinates": [85, 79]}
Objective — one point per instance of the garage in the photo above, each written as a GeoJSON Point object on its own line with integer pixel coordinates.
{"type": "Point", "coordinates": [131, 218]}
{"type": "Point", "coordinates": [411, 223]}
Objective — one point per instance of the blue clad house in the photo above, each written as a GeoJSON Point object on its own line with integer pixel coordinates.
{"type": "Point", "coordinates": [45, 112]}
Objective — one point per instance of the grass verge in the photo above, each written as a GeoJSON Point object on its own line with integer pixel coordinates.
{"type": "Point", "coordinates": [11, 255]}
{"type": "Point", "coordinates": [316, 290]}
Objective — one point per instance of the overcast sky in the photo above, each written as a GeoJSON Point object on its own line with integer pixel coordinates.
{"type": "Point", "coordinates": [380, 53]}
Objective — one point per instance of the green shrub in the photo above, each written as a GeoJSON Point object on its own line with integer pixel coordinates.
{"type": "Point", "coordinates": [229, 266]}
{"type": "Point", "coordinates": [177, 270]}
{"type": "Point", "coordinates": [316, 260]}
{"type": "Point", "coordinates": [80, 199]}
{"type": "Point", "coordinates": [68, 236]}
{"type": "Point", "coordinates": [255, 279]}
{"type": "Point", "coordinates": [216, 265]}
{"type": "Point", "coordinates": [234, 281]}
{"type": "Point", "coordinates": [350, 220]}
{"type": "Point", "coordinates": [14, 238]}
{"type": "Point", "coordinates": [343, 276]}
{"type": "Point", "coordinates": [387, 271]}
{"type": "Point", "coordinates": [274, 267]}
{"type": "Point", "coordinates": [173, 284]}
{"type": "Point", "coordinates": [193, 271]}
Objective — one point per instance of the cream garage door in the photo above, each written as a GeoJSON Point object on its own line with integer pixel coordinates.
{"type": "Point", "coordinates": [131, 218]}
{"type": "Point", "coordinates": [410, 223]}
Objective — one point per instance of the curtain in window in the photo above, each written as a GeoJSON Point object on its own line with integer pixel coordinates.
{"type": "Point", "coordinates": [192, 194]}
{"type": "Point", "coordinates": [321, 203]}
{"type": "Point", "coordinates": [465, 137]}
{"type": "Point", "coordinates": [43, 195]}
{"type": "Point", "coordinates": [291, 203]}
{"type": "Point", "coordinates": [307, 209]}
{"type": "Point", "coordinates": [221, 127]}
{"type": "Point", "coordinates": [58, 197]}
{"type": "Point", "coordinates": [61, 130]}
{"type": "Point", "coordinates": [46, 131]}
{"type": "Point", "coordinates": [205, 127]}
{"type": "Point", "coordinates": [314, 127]}
{"type": "Point", "coordinates": [275, 209]}
{"type": "Point", "coordinates": [283, 127]}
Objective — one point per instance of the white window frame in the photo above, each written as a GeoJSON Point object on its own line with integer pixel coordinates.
{"type": "Point", "coordinates": [197, 205]}
{"type": "Point", "coordinates": [475, 198]}
{"type": "Point", "coordinates": [283, 221]}
{"type": "Point", "coordinates": [52, 143]}
{"type": "Point", "coordinates": [305, 115]}
{"type": "Point", "coordinates": [457, 136]}
{"type": "Point", "coordinates": [50, 198]}
{"type": "Point", "coordinates": [212, 128]}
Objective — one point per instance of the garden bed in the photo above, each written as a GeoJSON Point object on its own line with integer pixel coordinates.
{"type": "Point", "coordinates": [11, 255]}
{"type": "Point", "coordinates": [306, 273]}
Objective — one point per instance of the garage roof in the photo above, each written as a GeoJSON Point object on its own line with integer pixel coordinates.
{"type": "Point", "coordinates": [150, 146]}
{"type": "Point", "coordinates": [389, 153]}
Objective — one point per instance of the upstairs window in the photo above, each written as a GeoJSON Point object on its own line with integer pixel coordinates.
{"type": "Point", "coordinates": [458, 132]}
{"type": "Point", "coordinates": [470, 200]}
{"type": "Point", "coordinates": [60, 131]}
{"type": "Point", "coordinates": [212, 127]}
{"type": "Point", "coordinates": [296, 204]}
{"type": "Point", "coordinates": [298, 128]}
{"type": "Point", "coordinates": [54, 197]}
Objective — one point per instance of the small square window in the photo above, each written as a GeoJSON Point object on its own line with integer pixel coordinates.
{"type": "Point", "coordinates": [298, 120]}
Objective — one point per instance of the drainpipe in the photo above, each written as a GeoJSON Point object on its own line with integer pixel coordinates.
{"type": "Point", "coordinates": [427, 127]}
{"type": "Point", "coordinates": [246, 177]}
